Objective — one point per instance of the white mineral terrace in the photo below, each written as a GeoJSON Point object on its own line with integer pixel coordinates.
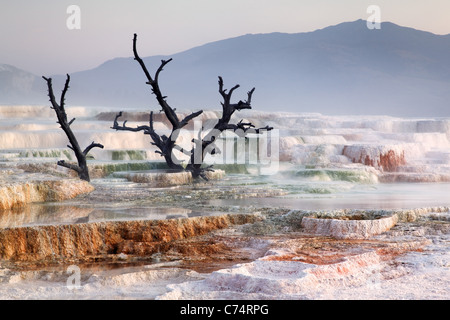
{"type": "Point", "coordinates": [353, 207]}
{"type": "Point", "coordinates": [349, 227]}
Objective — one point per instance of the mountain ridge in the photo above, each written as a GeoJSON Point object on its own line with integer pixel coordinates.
{"type": "Point", "coordinates": [340, 69]}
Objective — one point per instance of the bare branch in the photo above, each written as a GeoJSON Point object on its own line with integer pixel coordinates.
{"type": "Point", "coordinates": [115, 119]}
{"type": "Point", "coordinates": [123, 127]}
{"type": "Point", "coordinates": [82, 168]}
{"type": "Point", "coordinates": [150, 121]}
{"type": "Point", "coordinates": [228, 107]}
{"type": "Point", "coordinates": [157, 140]}
{"type": "Point", "coordinates": [205, 145]}
{"type": "Point", "coordinates": [141, 62]}
{"type": "Point", "coordinates": [241, 105]}
{"type": "Point", "coordinates": [249, 96]}
{"type": "Point", "coordinates": [92, 145]}
{"type": "Point", "coordinates": [221, 90]}
{"type": "Point", "coordinates": [266, 128]}
{"type": "Point", "coordinates": [232, 89]}
{"type": "Point", "coordinates": [189, 118]}
{"type": "Point", "coordinates": [50, 92]}
{"type": "Point", "coordinates": [74, 167]}
{"type": "Point", "coordinates": [63, 95]}
{"type": "Point", "coordinates": [170, 113]}
{"type": "Point", "coordinates": [161, 67]}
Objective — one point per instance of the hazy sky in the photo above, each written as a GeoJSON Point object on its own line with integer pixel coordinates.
{"type": "Point", "coordinates": [34, 35]}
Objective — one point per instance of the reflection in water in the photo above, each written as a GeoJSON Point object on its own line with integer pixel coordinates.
{"type": "Point", "coordinates": [315, 172]}
{"type": "Point", "coordinates": [59, 213]}
{"type": "Point", "coordinates": [377, 196]}
{"type": "Point", "coordinates": [42, 214]}
{"type": "Point", "coordinates": [112, 200]}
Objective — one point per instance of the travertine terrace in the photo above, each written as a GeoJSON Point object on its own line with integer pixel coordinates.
{"type": "Point", "coordinates": [328, 225]}
{"type": "Point", "coordinates": [85, 241]}
{"type": "Point", "coordinates": [349, 227]}
{"type": "Point", "coordinates": [15, 194]}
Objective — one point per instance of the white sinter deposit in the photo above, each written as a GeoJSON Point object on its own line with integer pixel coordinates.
{"type": "Point", "coordinates": [385, 259]}
{"type": "Point", "coordinates": [399, 149]}
{"type": "Point", "coordinates": [421, 272]}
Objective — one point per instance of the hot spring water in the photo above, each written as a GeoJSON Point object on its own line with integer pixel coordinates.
{"type": "Point", "coordinates": [325, 163]}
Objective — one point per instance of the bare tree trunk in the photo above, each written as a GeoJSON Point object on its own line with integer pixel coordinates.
{"type": "Point", "coordinates": [223, 124]}
{"type": "Point", "coordinates": [163, 143]}
{"type": "Point", "coordinates": [167, 145]}
{"type": "Point", "coordinates": [81, 168]}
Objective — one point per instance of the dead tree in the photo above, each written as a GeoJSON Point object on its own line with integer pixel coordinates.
{"type": "Point", "coordinates": [201, 146]}
{"type": "Point", "coordinates": [207, 143]}
{"type": "Point", "coordinates": [81, 168]}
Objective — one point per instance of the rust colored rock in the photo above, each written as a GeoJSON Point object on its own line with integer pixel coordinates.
{"type": "Point", "coordinates": [80, 241]}
{"type": "Point", "coordinates": [383, 157]}
{"type": "Point", "coordinates": [390, 161]}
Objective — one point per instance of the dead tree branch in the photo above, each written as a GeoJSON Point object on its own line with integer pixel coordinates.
{"type": "Point", "coordinates": [166, 145]}
{"type": "Point", "coordinates": [223, 124]}
{"type": "Point", "coordinates": [81, 168]}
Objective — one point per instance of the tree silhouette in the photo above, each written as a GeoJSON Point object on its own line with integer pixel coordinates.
{"type": "Point", "coordinates": [201, 146]}
{"type": "Point", "coordinates": [81, 168]}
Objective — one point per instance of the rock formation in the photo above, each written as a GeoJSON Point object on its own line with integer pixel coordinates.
{"type": "Point", "coordinates": [383, 157]}
{"type": "Point", "coordinates": [15, 194]}
{"type": "Point", "coordinates": [81, 242]}
{"type": "Point", "coordinates": [348, 228]}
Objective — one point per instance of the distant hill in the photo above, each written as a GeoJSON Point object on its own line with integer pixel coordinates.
{"type": "Point", "coordinates": [19, 86]}
{"type": "Point", "coordinates": [342, 69]}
